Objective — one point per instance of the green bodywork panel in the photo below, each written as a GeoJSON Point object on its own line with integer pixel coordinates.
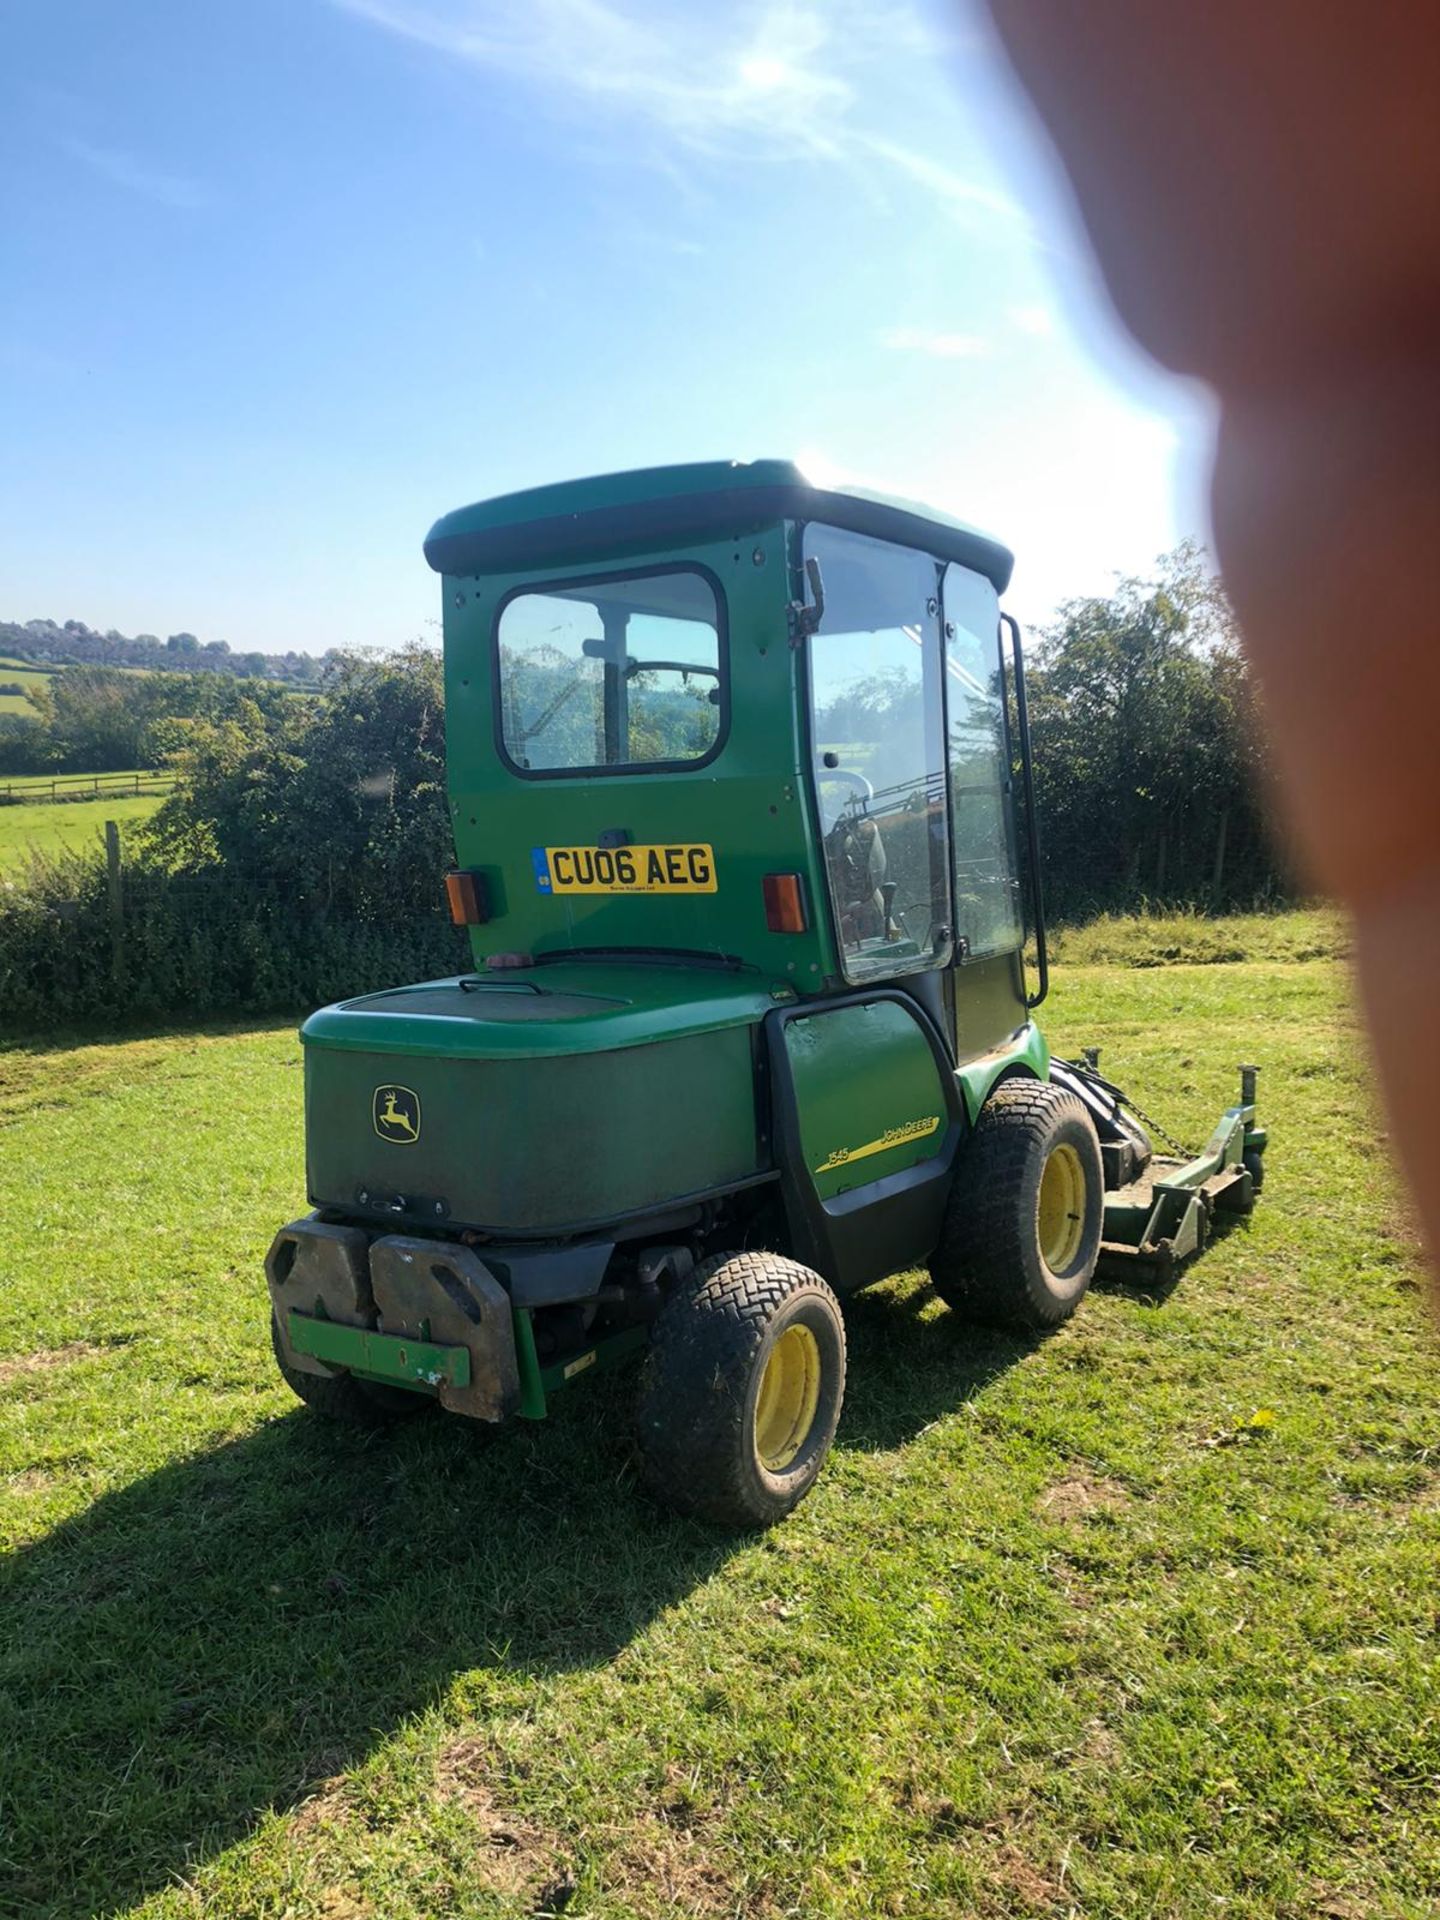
{"type": "Point", "coordinates": [868, 1092]}
{"type": "Point", "coordinates": [539, 1012]}
{"type": "Point", "coordinates": [750, 803]}
{"type": "Point", "coordinates": [1025, 1052]}
{"type": "Point", "coordinates": [542, 1105]}
{"type": "Point", "coordinates": [740, 526]}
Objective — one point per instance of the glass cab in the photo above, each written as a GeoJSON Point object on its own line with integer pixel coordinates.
{"type": "Point", "coordinates": [911, 759]}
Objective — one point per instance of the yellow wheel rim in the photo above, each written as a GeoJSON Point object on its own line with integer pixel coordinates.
{"type": "Point", "coordinates": [789, 1394]}
{"type": "Point", "coordinates": [1061, 1214]}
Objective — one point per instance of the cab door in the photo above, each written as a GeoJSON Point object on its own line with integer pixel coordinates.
{"type": "Point", "coordinates": [867, 1121]}
{"type": "Point", "coordinates": [877, 747]}
{"type": "Point", "coordinates": [986, 986]}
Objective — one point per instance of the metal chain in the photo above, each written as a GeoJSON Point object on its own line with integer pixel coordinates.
{"type": "Point", "coordinates": [1154, 1126]}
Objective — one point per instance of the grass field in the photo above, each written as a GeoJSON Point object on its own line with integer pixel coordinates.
{"type": "Point", "coordinates": [1139, 1621]}
{"type": "Point", "coordinates": [16, 673]}
{"type": "Point", "coordinates": [70, 826]}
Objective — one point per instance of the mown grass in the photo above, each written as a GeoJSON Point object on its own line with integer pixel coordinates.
{"type": "Point", "coordinates": [46, 828]}
{"type": "Point", "coordinates": [1141, 1620]}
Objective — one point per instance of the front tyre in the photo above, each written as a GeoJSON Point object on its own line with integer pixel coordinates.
{"type": "Point", "coordinates": [741, 1389]}
{"type": "Point", "coordinates": [1025, 1213]}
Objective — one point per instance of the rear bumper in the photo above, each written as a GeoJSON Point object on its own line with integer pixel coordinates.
{"type": "Point", "coordinates": [424, 1314]}
{"type": "Point", "coordinates": [379, 1356]}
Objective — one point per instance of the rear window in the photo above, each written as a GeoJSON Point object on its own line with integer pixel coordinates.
{"type": "Point", "coordinates": [627, 671]}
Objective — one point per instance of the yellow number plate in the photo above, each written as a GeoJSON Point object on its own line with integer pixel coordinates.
{"type": "Point", "coordinates": [680, 869]}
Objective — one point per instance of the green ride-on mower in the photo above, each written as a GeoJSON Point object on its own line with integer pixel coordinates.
{"type": "Point", "coordinates": [730, 774]}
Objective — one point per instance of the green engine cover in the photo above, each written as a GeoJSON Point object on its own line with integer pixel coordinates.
{"type": "Point", "coordinates": [535, 1108]}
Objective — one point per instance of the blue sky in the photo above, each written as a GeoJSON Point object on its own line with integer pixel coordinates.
{"type": "Point", "coordinates": [286, 279]}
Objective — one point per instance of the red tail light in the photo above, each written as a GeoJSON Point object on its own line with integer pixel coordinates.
{"type": "Point", "coordinates": [785, 903]}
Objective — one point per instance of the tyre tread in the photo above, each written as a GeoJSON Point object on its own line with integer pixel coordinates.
{"type": "Point", "coordinates": [978, 1268]}
{"type": "Point", "coordinates": [703, 1347]}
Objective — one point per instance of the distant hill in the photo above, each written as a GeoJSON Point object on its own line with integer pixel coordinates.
{"type": "Point", "coordinates": [73, 644]}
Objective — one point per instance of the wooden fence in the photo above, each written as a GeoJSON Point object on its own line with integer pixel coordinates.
{"type": "Point", "coordinates": [86, 786]}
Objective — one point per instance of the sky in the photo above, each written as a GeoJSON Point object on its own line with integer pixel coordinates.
{"type": "Point", "coordinates": [284, 280]}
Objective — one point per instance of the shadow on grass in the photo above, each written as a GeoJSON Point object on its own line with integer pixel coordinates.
{"type": "Point", "coordinates": [903, 1372]}
{"type": "Point", "coordinates": [218, 1637]}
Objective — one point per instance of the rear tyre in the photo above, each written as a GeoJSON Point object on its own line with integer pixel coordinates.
{"type": "Point", "coordinates": [741, 1390]}
{"type": "Point", "coordinates": [1026, 1207]}
{"type": "Point", "coordinates": [343, 1398]}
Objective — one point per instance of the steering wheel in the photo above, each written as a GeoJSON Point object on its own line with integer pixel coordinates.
{"type": "Point", "coordinates": [856, 782]}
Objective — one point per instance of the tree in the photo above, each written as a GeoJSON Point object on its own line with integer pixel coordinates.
{"type": "Point", "coordinates": [1142, 716]}
{"type": "Point", "coordinates": [342, 796]}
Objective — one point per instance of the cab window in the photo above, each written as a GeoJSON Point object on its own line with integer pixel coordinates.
{"type": "Point", "coordinates": [627, 671]}
{"type": "Point", "coordinates": [987, 898]}
{"type": "Point", "coordinates": [878, 753]}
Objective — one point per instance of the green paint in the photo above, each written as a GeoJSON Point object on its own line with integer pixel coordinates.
{"type": "Point", "coordinates": [381, 1356]}
{"type": "Point", "coordinates": [523, 1145]}
{"type": "Point", "coordinates": [1027, 1053]}
{"type": "Point", "coordinates": [1170, 1210]}
{"type": "Point", "coordinates": [605, 1353]}
{"type": "Point", "coordinates": [744, 483]}
{"type": "Point", "coordinates": [870, 1098]}
{"type": "Point", "coordinates": [532, 1387]}
{"type": "Point", "coordinates": [751, 803]}
{"type": "Point", "coordinates": [557, 1010]}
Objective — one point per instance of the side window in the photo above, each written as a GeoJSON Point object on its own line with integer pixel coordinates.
{"type": "Point", "coordinates": [879, 757]}
{"type": "Point", "coordinates": [987, 902]}
{"type": "Point", "coordinates": [621, 672]}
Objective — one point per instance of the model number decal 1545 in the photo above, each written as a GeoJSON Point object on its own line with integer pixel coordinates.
{"type": "Point", "coordinates": [673, 869]}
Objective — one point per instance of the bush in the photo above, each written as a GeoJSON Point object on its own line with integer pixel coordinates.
{"type": "Point", "coordinates": [193, 947]}
{"type": "Point", "coordinates": [299, 860]}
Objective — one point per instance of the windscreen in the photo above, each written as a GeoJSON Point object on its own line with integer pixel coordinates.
{"type": "Point", "coordinates": [987, 894]}
{"type": "Point", "coordinates": [625, 671]}
{"type": "Point", "coordinates": [876, 735]}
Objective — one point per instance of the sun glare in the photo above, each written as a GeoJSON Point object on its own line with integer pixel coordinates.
{"type": "Point", "coordinates": [763, 73]}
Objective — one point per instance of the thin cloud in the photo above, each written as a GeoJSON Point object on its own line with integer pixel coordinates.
{"type": "Point", "coordinates": [964, 198]}
{"type": "Point", "coordinates": [764, 89]}
{"type": "Point", "coordinates": [938, 345]}
{"type": "Point", "coordinates": [770, 81]}
{"type": "Point", "coordinates": [124, 170]}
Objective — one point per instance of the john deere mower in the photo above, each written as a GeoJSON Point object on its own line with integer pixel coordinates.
{"type": "Point", "coordinates": [730, 773]}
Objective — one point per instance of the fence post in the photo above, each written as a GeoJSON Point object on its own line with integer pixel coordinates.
{"type": "Point", "coordinates": [1217, 876]}
{"type": "Point", "coordinates": [117, 899]}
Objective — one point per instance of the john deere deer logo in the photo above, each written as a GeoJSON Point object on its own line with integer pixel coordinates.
{"type": "Point", "coordinates": [396, 1113]}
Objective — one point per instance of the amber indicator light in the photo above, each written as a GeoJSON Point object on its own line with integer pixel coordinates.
{"type": "Point", "coordinates": [785, 903]}
{"type": "Point", "coordinates": [466, 894]}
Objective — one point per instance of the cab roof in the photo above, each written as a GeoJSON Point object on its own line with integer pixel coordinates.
{"type": "Point", "coordinates": [576, 520]}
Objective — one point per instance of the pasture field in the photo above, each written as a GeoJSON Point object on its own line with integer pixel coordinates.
{"type": "Point", "coordinates": [17, 673]}
{"type": "Point", "coordinates": [1140, 1620]}
{"type": "Point", "coordinates": [68, 827]}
